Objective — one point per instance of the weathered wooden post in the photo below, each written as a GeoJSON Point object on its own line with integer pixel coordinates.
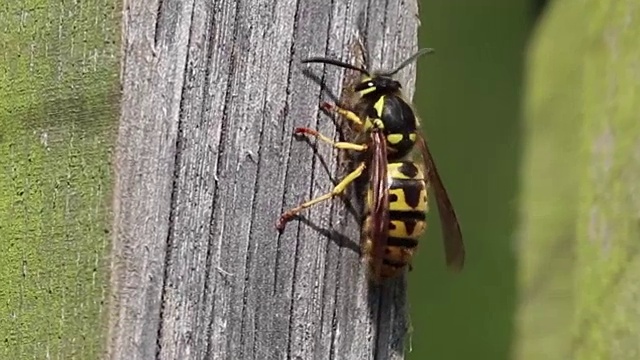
{"type": "Point", "coordinates": [206, 161]}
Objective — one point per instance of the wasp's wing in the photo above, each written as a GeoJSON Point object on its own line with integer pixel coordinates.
{"type": "Point", "coordinates": [452, 237]}
{"type": "Point", "coordinates": [378, 184]}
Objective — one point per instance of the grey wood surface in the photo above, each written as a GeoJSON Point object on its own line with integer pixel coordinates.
{"type": "Point", "coordinates": [206, 162]}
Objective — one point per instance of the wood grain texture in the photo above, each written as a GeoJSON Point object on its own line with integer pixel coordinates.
{"type": "Point", "coordinates": [206, 163]}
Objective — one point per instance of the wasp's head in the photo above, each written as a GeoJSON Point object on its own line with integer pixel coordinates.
{"type": "Point", "coordinates": [380, 83]}
{"type": "Point", "coordinates": [377, 84]}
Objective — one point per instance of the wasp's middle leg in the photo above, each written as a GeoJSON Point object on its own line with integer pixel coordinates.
{"type": "Point", "coordinates": [337, 145]}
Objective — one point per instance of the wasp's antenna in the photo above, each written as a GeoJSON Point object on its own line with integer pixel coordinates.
{"type": "Point", "coordinates": [411, 59]}
{"type": "Point", "coordinates": [334, 62]}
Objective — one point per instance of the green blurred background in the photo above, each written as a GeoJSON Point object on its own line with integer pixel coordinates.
{"type": "Point", "coordinates": [469, 97]}
{"type": "Point", "coordinates": [535, 126]}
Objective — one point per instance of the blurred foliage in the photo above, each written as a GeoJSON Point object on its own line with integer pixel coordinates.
{"type": "Point", "coordinates": [550, 207]}
{"type": "Point", "coordinates": [607, 318]}
{"type": "Point", "coordinates": [549, 174]}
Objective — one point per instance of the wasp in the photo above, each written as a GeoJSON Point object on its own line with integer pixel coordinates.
{"type": "Point", "coordinates": [396, 196]}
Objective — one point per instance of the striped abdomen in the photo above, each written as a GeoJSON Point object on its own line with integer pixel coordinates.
{"type": "Point", "coordinates": [407, 210]}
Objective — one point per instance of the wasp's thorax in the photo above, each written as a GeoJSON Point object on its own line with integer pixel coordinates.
{"type": "Point", "coordinates": [383, 106]}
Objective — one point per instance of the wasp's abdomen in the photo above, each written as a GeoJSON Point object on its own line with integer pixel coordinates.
{"type": "Point", "coordinates": [407, 210]}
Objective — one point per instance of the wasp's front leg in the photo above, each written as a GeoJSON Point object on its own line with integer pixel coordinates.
{"type": "Point", "coordinates": [347, 114]}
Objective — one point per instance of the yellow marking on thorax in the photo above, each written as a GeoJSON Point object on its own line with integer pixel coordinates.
{"type": "Point", "coordinates": [371, 123]}
{"type": "Point", "coordinates": [368, 123]}
{"type": "Point", "coordinates": [394, 138]}
{"type": "Point", "coordinates": [412, 137]}
{"type": "Point", "coordinates": [379, 106]}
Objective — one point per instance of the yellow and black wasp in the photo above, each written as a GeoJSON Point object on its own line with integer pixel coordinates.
{"type": "Point", "coordinates": [396, 202]}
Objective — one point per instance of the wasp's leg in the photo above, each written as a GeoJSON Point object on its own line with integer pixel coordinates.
{"type": "Point", "coordinates": [337, 190]}
{"type": "Point", "coordinates": [348, 114]}
{"type": "Point", "coordinates": [338, 145]}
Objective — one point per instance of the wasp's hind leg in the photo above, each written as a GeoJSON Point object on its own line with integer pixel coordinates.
{"type": "Point", "coordinates": [337, 190]}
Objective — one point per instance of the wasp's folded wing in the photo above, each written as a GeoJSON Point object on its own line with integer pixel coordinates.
{"type": "Point", "coordinates": [378, 184]}
{"type": "Point", "coordinates": [452, 236]}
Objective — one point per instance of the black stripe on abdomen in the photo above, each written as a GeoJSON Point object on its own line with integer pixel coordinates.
{"type": "Point", "coordinates": [406, 215]}
{"type": "Point", "coordinates": [392, 263]}
{"type": "Point", "coordinates": [402, 242]}
{"type": "Point", "coordinates": [411, 188]}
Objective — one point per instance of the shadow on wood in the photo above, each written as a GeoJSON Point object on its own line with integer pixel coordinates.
{"type": "Point", "coordinates": [206, 163]}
